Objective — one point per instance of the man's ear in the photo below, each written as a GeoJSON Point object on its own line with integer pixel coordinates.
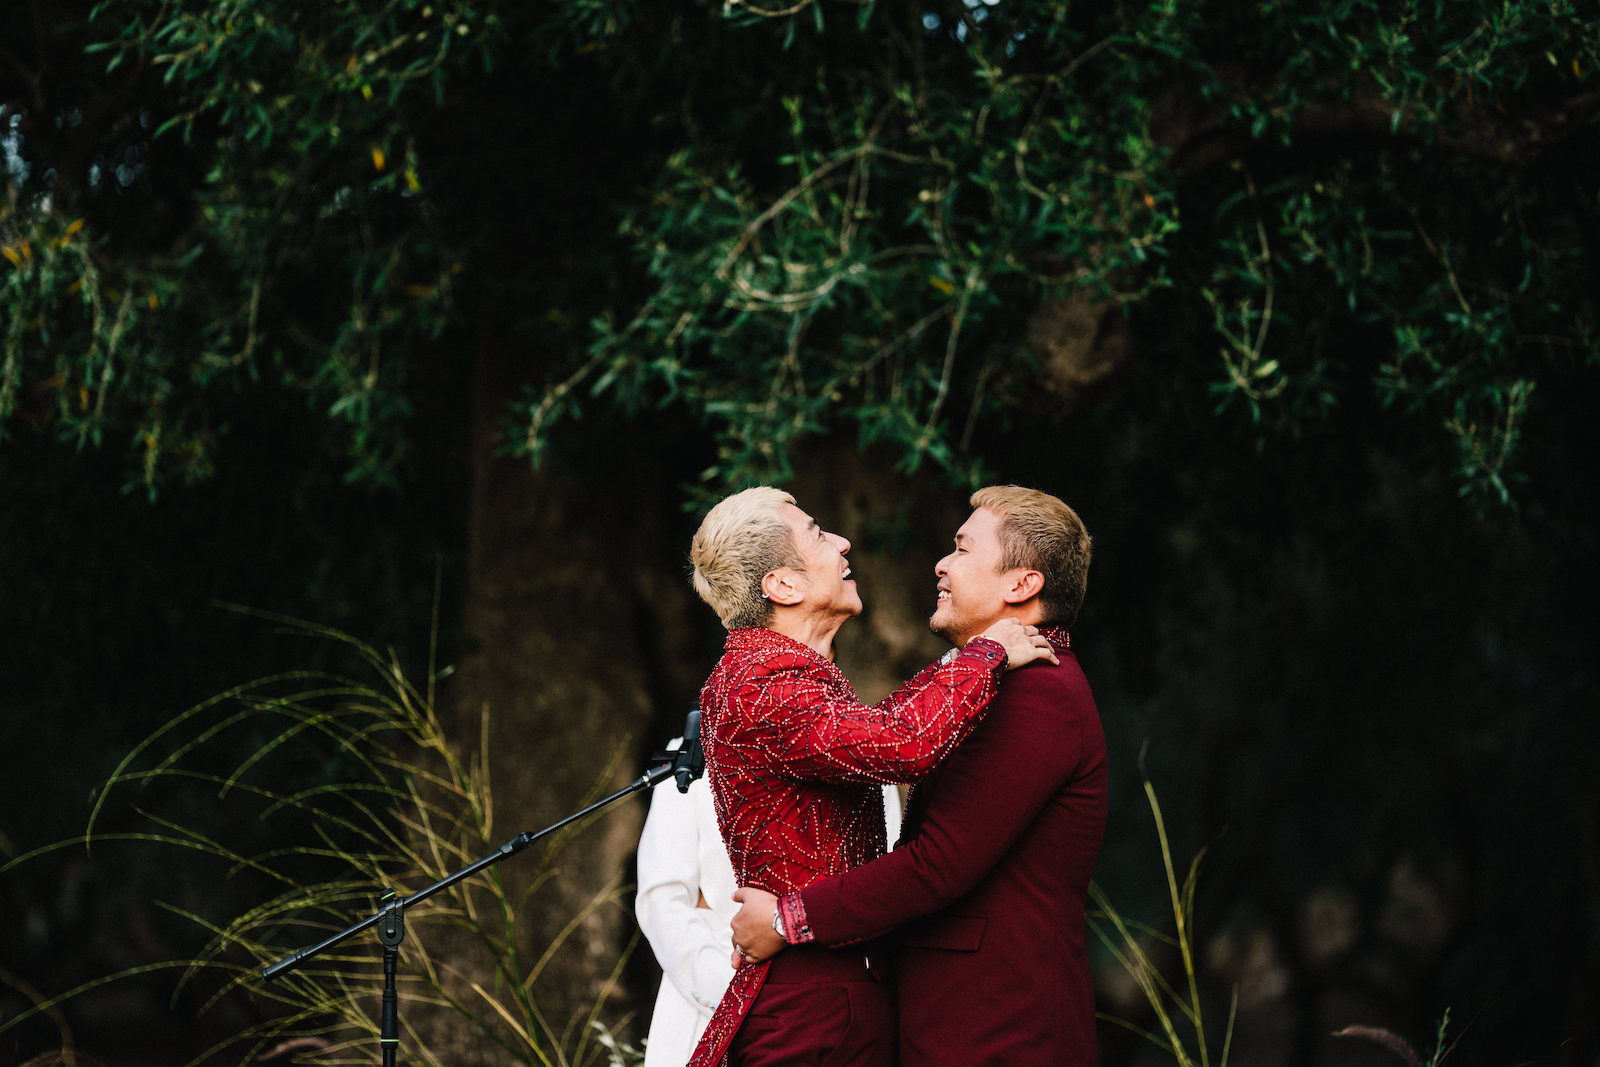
{"type": "Point", "coordinates": [780, 587]}
{"type": "Point", "coordinates": [1025, 586]}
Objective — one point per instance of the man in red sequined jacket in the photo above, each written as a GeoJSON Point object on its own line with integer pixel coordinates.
{"type": "Point", "coordinates": [986, 889]}
{"type": "Point", "coordinates": [795, 762]}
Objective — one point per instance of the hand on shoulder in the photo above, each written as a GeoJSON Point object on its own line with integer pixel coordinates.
{"type": "Point", "coordinates": [1023, 644]}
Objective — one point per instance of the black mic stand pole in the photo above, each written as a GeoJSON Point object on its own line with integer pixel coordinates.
{"type": "Point", "coordinates": [390, 919]}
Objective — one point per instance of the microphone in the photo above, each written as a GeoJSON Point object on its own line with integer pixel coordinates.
{"type": "Point", "coordinates": [689, 762]}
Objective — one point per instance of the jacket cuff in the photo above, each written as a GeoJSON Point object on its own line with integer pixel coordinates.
{"type": "Point", "coordinates": [796, 930]}
{"type": "Point", "coordinates": [990, 650]}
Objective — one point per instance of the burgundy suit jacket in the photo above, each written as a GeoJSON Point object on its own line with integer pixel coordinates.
{"type": "Point", "coordinates": [987, 886]}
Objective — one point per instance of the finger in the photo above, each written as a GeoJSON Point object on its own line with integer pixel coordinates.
{"type": "Point", "coordinates": [738, 894]}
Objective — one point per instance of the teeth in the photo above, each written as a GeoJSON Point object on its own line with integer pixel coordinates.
{"type": "Point", "coordinates": [943, 595]}
{"type": "Point", "coordinates": [847, 572]}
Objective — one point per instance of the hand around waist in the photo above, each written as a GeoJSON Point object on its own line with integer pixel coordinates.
{"type": "Point", "coordinates": [754, 937]}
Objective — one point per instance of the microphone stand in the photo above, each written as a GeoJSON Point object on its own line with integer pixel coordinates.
{"type": "Point", "coordinates": [686, 765]}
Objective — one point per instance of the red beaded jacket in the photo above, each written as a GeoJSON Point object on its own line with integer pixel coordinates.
{"type": "Point", "coordinates": [795, 761]}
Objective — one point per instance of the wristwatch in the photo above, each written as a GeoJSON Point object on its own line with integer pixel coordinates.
{"type": "Point", "coordinates": [777, 923]}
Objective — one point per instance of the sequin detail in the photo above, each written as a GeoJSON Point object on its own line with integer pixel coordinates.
{"type": "Point", "coordinates": [796, 930]}
{"type": "Point", "coordinates": [795, 762]}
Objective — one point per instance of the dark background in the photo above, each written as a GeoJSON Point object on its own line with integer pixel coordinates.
{"type": "Point", "coordinates": [1369, 697]}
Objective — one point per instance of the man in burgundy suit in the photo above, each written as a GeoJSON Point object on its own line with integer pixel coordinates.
{"type": "Point", "coordinates": [795, 764]}
{"type": "Point", "coordinates": [986, 890]}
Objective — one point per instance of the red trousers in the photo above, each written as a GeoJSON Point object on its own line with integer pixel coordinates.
{"type": "Point", "coordinates": [817, 1007]}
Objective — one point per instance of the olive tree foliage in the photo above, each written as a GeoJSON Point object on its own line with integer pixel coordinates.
{"type": "Point", "coordinates": [1336, 203]}
{"type": "Point", "coordinates": [276, 140]}
{"type": "Point", "coordinates": [867, 214]}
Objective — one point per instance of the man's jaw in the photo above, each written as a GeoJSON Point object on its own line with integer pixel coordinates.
{"type": "Point", "coordinates": [944, 620]}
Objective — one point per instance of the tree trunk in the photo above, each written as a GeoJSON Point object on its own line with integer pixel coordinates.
{"type": "Point", "coordinates": [549, 656]}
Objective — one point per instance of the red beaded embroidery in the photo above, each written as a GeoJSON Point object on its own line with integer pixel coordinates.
{"type": "Point", "coordinates": [794, 761]}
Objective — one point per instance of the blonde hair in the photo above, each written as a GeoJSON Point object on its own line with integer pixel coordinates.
{"type": "Point", "coordinates": [739, 541]}
{"type": "Point", "coordinates": [1041, 533]}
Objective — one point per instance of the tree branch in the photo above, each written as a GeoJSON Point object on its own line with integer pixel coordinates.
{"type": "Point", "coordinates": [1200, 140]}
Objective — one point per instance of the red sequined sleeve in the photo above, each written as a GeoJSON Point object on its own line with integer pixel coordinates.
{"type": "Point", "coordinates": [810, 726]}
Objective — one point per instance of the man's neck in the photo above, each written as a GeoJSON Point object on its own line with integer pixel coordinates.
{"type": "Point", "coordinates": [1025, 617]}
{"type": "Point", "coordinates": [814, 633]}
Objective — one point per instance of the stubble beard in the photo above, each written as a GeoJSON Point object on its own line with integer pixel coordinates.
{"type": "Point", "coordinates": [946, 629]}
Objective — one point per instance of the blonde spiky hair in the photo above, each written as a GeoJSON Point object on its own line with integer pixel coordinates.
{"type": "Point", "coordinates": [739, 541]}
